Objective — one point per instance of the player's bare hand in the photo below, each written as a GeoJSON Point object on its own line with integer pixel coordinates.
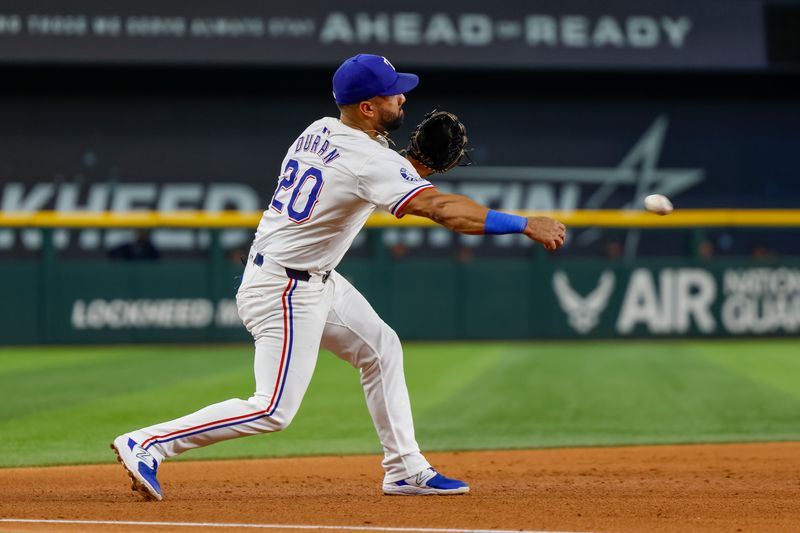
{"type": "Point", "coordinates": [547, 231]}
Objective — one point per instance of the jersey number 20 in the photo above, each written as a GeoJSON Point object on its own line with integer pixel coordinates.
{"type": "Point", "coordinates": [299, 188]}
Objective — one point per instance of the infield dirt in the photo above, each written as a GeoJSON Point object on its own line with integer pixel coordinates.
{"type": "Point", "coordinates": [709, 488]}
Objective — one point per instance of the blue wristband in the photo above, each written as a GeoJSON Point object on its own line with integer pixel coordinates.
{"type": "Point", "coordinates": [498, 223]}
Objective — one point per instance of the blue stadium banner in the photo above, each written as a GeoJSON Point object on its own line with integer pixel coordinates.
{"type": "Point", "coordinates": [658, 34]}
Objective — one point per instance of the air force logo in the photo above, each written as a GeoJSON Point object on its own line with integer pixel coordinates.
{"type": "Point", "coordinates": [583, 311]}
{"type": "Point", "coordinates": [408, 176]}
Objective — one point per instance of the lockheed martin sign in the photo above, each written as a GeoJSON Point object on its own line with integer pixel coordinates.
{"type": "Point", "coordinates": [570, 33]}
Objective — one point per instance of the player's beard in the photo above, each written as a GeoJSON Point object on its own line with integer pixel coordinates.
{"type": "Point", "coordinates": [391, 122]}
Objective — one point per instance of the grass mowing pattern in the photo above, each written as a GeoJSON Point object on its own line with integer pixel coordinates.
{"type": "Point", "coordinates": [63, 405]}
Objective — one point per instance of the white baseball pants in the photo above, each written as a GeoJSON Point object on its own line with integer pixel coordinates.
{"type": "Point", "coordinates": [289, 320]}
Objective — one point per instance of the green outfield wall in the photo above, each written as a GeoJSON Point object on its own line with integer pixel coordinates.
{"type": "Point", "coordinates": [49, 299]}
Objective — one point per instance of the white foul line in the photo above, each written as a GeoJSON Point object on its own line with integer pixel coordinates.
{"type": "Point", "coordinates": [267, 526]}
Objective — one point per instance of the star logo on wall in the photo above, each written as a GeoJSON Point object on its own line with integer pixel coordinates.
{"type": "Point", "coordinates": [638, 170]}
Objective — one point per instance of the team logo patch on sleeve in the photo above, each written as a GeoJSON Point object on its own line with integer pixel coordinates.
{"type": "Point", "coordinates": [408, 176]}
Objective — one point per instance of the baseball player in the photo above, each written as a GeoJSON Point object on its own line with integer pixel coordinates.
{"type": "Point", "coordinates": [335, 174]}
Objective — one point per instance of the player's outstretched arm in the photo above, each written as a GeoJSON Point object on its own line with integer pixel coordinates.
{"type": "Point", "coordinates": [461, 214]}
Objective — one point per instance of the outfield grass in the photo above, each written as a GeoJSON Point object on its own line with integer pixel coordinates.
{"type": "Point", "coordinates": [65, 404]}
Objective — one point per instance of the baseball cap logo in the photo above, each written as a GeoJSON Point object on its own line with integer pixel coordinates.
{"type": "Point", "coordinates": [366, 75]}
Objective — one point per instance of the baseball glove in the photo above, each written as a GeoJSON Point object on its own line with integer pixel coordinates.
{"type": "Point", "coordinates": [439, 142]}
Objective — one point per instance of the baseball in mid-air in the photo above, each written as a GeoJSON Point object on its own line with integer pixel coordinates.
{"type": "Point", "coordinates": [658, 204]}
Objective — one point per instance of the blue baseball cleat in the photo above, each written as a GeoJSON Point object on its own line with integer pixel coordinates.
{"type": "Point", "coordinates": [429, 481]}
{"type": "Point", "coordinates": [140, 465]}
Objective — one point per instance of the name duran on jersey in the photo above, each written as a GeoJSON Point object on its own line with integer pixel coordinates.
{"type": "Point", "coordinates": [332, 178]}
{"type": "Point", "coordinates": [311, 143]}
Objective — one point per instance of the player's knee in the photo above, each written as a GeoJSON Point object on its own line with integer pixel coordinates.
{"type": "Point", "coordinates": [276, 419]}
{"type": "Point", "coordinates": [387, 350]}
{"type": "Point", "coordinates": [390, 343]}
{"type": "Point", "coordinates": [281, 420]}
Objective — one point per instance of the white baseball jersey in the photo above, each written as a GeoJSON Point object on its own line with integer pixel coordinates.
{"type": "Point", "coordinates": [333, 177]}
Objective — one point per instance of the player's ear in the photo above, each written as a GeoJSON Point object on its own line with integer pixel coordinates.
{"type": "Point", "coordinates": [367, 108]}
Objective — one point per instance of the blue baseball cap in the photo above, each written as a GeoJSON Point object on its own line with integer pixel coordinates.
{"type": "Point", "coordinates": [366, 75]}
